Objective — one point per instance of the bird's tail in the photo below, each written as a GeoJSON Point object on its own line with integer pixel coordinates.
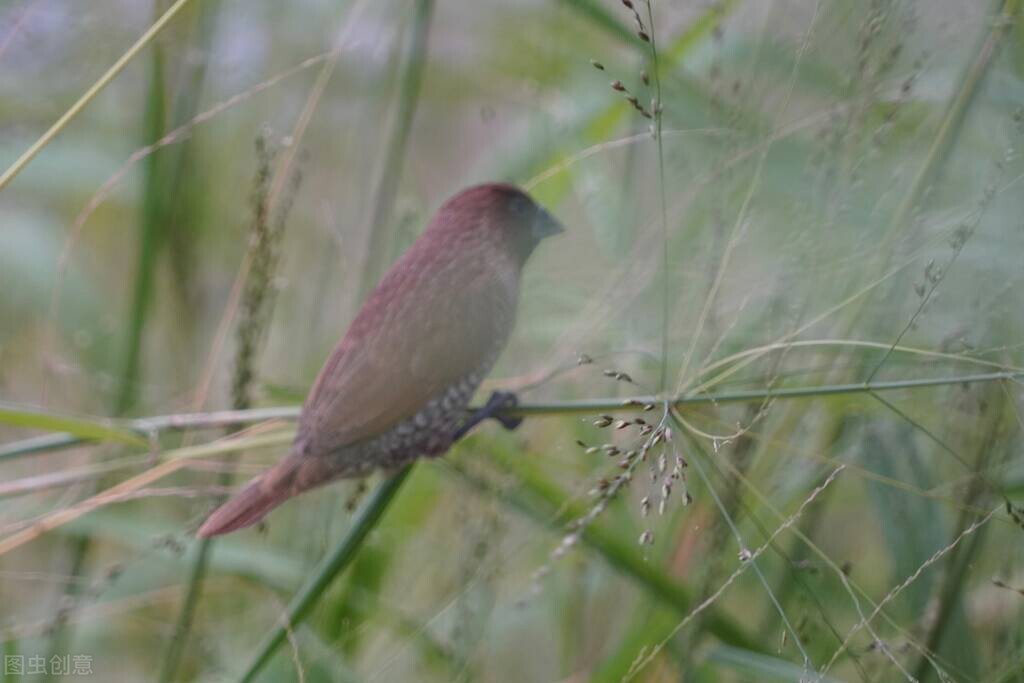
{"type": "Point", "coordinates": [291, 476]}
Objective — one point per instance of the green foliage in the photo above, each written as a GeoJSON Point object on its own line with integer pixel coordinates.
{"type": "Point", "coordinates": [841, 249]}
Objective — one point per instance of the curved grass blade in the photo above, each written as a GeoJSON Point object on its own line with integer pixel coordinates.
{"type": "Point", "coordinates": [760, 667]}
{"type": "Point", "coordinates": [546, 504]}
{"type": "Point", "coordinates": [108, 432]}
{"type": "Point", "coordinates": [88, 429]}
{"type": "Point", "coordinates": [333, 564]}
{"type": "Point", "coordinates": [89, 94]}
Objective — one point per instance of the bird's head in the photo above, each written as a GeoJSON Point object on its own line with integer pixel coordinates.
{"type": "Point", "coordinates": [500, 213]}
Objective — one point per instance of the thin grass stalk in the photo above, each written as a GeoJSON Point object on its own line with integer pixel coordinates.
{"type": "Point", "coordinates": [637, 402]}
{"type": "Point", "coordinates": [151, 223]}
{"type": "Point", "coordinates": [739, 453]}
{"type": "Point", "coordinates": [572, 611]}
{"type": "Point", "coordinates": [952, 123]}
{"type": "Point", "coordinates": [433, 651]}
{"type": "Point", "coordinates": [949, 590]}
{"type": "Point", "coordinates": [860, 597]}
{"type": "Point", "coordinates": [149, 427]}
{"type": "Point", "coordinates": [151, 237]}
{"type": "Point", "coordinates": [333, 564]}
{"type": "Point", "coordinates": [181, 163]}
{"type": "Point", "coordinates": [397, 142]}
{"type": "Point", "coordinates": [193, 591]}
{"type": "Point", "coordinates": [958, 565]}
{"type": "Point", "coordinates": [89, 94]}
{"type": "Point", "coordinates": [545, 503]}
{"type": "Point", "coordinates": [175, 460]}
{"type": "Point", "coordinates": [735, 533]}
{"type": "Point", "coordinates": [87, 429]}
{"type": "Point", "coordinates": [648, 624]}
{"type": "Point", "coordinates": [945, 140]}
{"type": "Point", "coordinates": [657, 111]}
{"type": "Point", "coordinates": [605, 20]}
{"type": "Point", "coordinates": [808, 526]}
{"type": "Point", "coordinates": [599, 16]}
{"type": "Point", "coordinates": [62, 633]}
{"type": "Point", "coordinates": [734, 474]}
{"type": "Point", "coordinates": [265, 236]}
{"type": "Point", "coordinates": [831, 428]}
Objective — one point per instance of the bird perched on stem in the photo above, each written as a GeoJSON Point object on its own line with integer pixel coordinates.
{"type": "Point", "coordinates": [397, 385]}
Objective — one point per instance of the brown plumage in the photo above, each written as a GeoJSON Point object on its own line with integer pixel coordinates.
{"type": "Point", "coordinates": [397, 385]}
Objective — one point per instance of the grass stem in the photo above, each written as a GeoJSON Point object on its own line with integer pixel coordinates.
{"type": "Point", "coordinates": [150, 426]}
{"type": "Point", "coordinates": [335, 562]}
{"type": "Point", "coordinates": [89, 94]}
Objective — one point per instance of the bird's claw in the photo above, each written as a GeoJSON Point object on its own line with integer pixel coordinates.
{"type": "Point", "coordinates": [499, 402]}
{"type": "Point", "coordinates": [495, 407]}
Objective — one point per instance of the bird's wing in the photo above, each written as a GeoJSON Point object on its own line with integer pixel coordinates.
{"type": "Point", "coordinates": [418, 334]}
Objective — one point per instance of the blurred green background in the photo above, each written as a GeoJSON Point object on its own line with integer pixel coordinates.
{"type": "Point", "coordinates": [834, 198]}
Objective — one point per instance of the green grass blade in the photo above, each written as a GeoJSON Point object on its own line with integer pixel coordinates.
{"type": "Point", "coordinates": [83, 428]}
{"type": "Point", "coordinates": [379, 246]}
{"type": "Point", "coordinates": [332, 564]}
{"type": "Point", "coordinates": [604, 19]}
{"type": "Point", "coordinates": [152, 224]}
{"type": "Point", "coordinates": [105, 431]}
{"type": "Point", "coordinates": [89, 94]}
{"type": "Point", "coordinates": [761, 667]}
{"type": "Point", "coordinates": [542, 500]}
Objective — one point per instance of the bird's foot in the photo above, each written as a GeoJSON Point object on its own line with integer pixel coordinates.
{"type": "Point", "coordinates": [499, 402]}
{"type": "Point", "coordinates": [496, 404]}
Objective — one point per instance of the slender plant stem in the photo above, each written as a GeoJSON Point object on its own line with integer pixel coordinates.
{"type": "Point", "coordinates": [179, 636]}
{"type": "Point", "coordinates": [545, 503]}
{"type": "Point", "coordinates": [397, 143]}
{"type": "Point", "coordinates": [151, 238]}
{"type": "Point", "coordinates": [599, 16]}
{"type": "Point", "coordinates": [332, 564]}
{"type": "Point", "coordinates": [831, 429]}
{"type": "Point", "coordinates": [89, 94]}
{"type": "Point", "coordinates": [938, 152]}
{"type": "Point", "coordinates": [95, 429]}
{"type": "Point", "coordinates": [150, 426]}
{"type": "Point", "coordinates": [256, 306]}
{"type": "Point", "coordinates": [151, 226]}
{"type": "Point", "coordinates": [951, 123]}
{"type": "Point", "coordinates": [949, 593]}
{"type": "Point", "coordinates": [638, 402]}
{"type": "Point", "coordinates": [657, 114]}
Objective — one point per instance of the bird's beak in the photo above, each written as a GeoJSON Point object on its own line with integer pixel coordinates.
{"type": "Point", "coordinates": [546, 225]}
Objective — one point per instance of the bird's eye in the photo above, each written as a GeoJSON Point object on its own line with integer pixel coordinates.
{"type": "Point", "coordinates": [522, 207]}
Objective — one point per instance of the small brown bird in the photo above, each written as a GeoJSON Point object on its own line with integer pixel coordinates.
{"type": "Point", "coordinates": [397, 385]}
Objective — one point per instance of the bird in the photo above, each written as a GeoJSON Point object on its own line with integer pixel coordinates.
{"type": "Point", "coordinates": [397, 385]}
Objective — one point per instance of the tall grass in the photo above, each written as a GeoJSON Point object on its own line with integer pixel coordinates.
{"type": "Point", "coordinates": [771, 376]}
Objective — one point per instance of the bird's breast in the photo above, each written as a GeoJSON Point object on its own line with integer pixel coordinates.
{"type": "Point", "coordinates": [429, 432]}
{"type": "Point", "coordinates": [398, 384]}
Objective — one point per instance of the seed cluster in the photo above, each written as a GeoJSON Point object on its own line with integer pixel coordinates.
{"type": "Point", "coordinates": [265, 237]}
{"type": "Point", "coordinates": [647, 442]}
{"type": "Point", "coordinates": [653, 444]}
{"type": "Point", "coordinates": [642, 32]}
